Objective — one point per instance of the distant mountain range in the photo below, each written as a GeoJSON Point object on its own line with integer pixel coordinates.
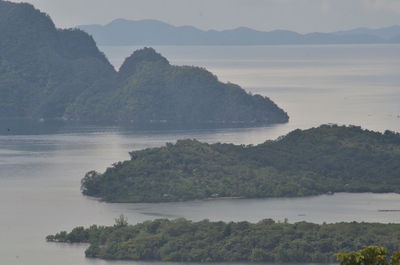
{"type": "Point", "coordinates": [154, 32]}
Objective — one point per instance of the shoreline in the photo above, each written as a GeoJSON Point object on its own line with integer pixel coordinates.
{"type": "Point", "coordinates": [222, 198]}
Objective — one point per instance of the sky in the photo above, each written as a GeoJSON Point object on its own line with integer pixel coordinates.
{"type": "Point", "coordinates": [303, 16]}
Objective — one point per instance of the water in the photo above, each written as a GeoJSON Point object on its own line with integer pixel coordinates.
{"type": "Point", "coordinates": [41, 165]}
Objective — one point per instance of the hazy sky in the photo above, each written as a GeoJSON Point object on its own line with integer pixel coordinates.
{"type": "Point", "coordinates": [299, 15]}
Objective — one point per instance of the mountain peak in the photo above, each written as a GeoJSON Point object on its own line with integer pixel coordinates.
{"type": "Point", "coordinates": [143, 55]}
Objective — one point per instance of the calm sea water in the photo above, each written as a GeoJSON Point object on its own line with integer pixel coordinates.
{"type": "Point", "coordinates": [41, 164]}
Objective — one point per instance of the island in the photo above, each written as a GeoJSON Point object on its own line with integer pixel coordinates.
{"type": "Point", "coordinates": [60, 74]}
{"type": "Point", "coordinates": [205, 241]}
{"type": "Point", "coordinates": [321, 160]}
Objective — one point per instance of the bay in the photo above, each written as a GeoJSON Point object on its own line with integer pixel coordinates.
{"type": "Point", "coordinates": [41, 164]}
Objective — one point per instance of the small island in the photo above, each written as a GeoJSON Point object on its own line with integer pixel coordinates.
{"type": "Point", "coordinates": [205, 241]}
{"type": "Point", "coordinates": [60, 74]}
{"type": "Point", "coordinates": [316, 161]}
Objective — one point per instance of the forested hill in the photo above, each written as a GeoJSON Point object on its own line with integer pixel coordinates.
{"type": "Point", "coordinates": [60, 74]}
{"type": "Point", "coordinates": [320, 160]}
{"type": "Point", "coordinates": [44, 69]}
{"type": "Point", "coordinates": [150, 89]}
{"type": "Point", "coordinates": [205, 241]}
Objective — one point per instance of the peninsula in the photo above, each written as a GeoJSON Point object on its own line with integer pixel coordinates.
{"type": "Point", "coordinates": [49, 73]}
{"type": "Point", "coordinates": [205, 241]}
{"type": "Point", "coordinates": [320, 160]}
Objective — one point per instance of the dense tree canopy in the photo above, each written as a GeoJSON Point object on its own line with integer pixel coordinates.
{"type": "Point", "coordinates": [151, 90]}
{"type": "Point", "coordinates": [43, 69]}
{"type": "Point", "coordinates": [51, 73]}
{"type": "Point", "coordinates": [205, 241]}
{"type": "Point", "coordinates": [370, 255]}
{"type": "Point", "coordinates": [320, 160]}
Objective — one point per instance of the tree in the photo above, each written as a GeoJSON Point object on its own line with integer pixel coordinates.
{"type": "Point", "coordinates": [370, 255]}
{"type": "Point", "coordinates": [121, 221]}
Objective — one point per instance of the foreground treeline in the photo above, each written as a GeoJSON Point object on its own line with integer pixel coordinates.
{"type": "Point", "coordinates": [205, 241]}
{"type": "Point", "coordinates": [370, 255]}
{"type": "Point", "coordinates": [320, 160]}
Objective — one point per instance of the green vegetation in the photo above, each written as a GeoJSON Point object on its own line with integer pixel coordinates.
{"type": "Point", "coordinates": [371, 255]}
{"type": "Point", "coordinates": [205, 241]}
{"type": "Point", "coordinates": [60, 74]}
{"type": "Point", "coordinates": [151, 90]}
{"type": "Point", "coordinates": [320, 160]}
{"type": "Point", "coordinates": [43, 69]}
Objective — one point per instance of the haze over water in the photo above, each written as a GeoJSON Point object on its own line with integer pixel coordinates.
{"type": "Point", "coordinates": [41, 165]}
